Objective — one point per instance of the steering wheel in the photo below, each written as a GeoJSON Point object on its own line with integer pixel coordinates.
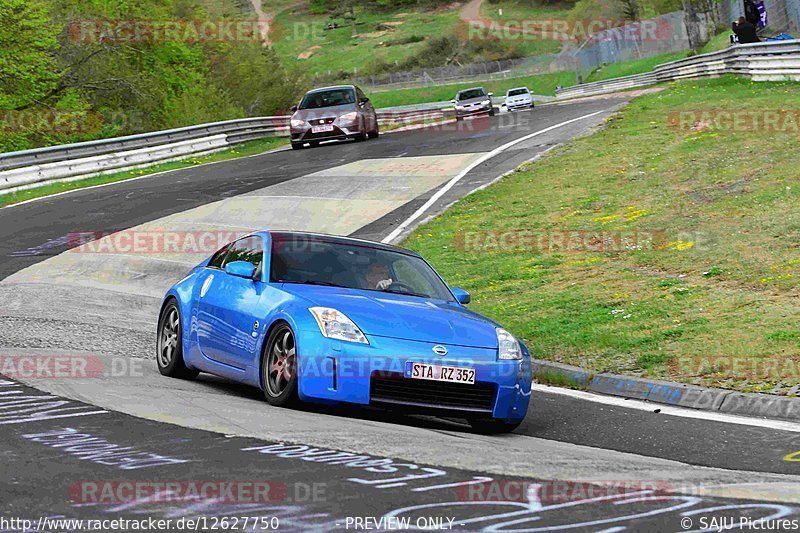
{"type": "Point", "coordinates": [402, 286]}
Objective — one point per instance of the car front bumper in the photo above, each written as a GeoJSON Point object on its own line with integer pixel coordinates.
{"type": "Point", "coordinates": [513, 106]}
{"type": "Point", "coordinates": [467, 111]}
{"type": "Point", "coordinates": [340, 132]}
{"type": "Point", "coordinates": [336, 371]}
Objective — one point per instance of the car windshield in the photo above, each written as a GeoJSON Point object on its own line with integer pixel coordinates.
{"type": "Point", "coordinates": [517, 92]}
{"type": "Point", "coordinates": [471, 93]}
{"type": "Point", "coordinates": [316, 261]}
{"type": "Point", "coordinates": [329, 98]}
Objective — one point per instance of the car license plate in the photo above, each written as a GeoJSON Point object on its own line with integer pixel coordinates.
{"type": "Point", "coordinates": [321, 129]}
{"type": "Point", "coordinates": [452, 374]}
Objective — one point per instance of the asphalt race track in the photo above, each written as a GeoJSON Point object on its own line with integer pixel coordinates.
{"type": "Point", "coordinates": [574, 464]}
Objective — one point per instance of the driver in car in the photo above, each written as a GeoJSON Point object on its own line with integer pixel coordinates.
{"type": "Point", "coordinates": [378, 277]}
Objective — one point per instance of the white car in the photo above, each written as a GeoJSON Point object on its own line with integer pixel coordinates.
{"type": "Point", "coordinates": [519, 98]}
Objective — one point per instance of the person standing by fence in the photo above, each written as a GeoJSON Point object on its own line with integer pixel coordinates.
{"type": "Point", "coordinates": [745, 31]}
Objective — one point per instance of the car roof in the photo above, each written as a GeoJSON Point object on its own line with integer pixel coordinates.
{"type": "Point", "coordinates": [518, 88]}
{"type": "Point", "coordinates": [340, 240]}
{"type": "Point", "coordinates": [332, 87]}
{"type": "Point", "coordinates": [471, 89]}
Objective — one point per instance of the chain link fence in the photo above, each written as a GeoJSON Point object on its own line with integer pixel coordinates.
{"type": "Point", "coordinates": [663, 34]}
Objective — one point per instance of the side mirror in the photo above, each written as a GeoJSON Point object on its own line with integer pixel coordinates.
{"type": "Point", "coordinates": [293, 108]}
{"type": "Point", "coordinates": [241, 269]}
{"type": "Point", "coordinates": [491, 94]}
{"type": "Point", "coordinates": [363, 101]}
{"type": "Point", "coordinates": [461, 295]}
{"type": "Point", "coordinates": [453, 102]}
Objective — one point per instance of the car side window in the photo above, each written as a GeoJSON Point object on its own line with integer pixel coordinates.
{"type": "Point", "coordinates": [360, 95]}
{"type": "Point", "coordinates": [406, 274]}
{"type": "Point", "coordinates": [217, 259]}
{"type": "Point", "coordinates": [250, 249]}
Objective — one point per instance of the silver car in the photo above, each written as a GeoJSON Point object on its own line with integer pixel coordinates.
{"type": "Point", "coordinates": [333, 113]}
{"type": "Point", "coordinates": [518, 98]}
{"type": "Point", "coordinates": [472, 102]}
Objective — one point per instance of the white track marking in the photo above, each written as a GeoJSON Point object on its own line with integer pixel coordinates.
{"type": "Point", "coordinates": [449, 185]}
{"type": "Point", "coordinates": [670, 410]}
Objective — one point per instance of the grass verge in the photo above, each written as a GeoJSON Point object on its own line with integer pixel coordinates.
{"type": "Point", "coordinates": [628, 68]}
{"type": "Point", "coordinates": [548, 377]}
{"type": "Point", "coordinates": [240, 150]}
{"type": "Point", "coordinates": [543, 84]}
{"type": "Point", "coordinates": [706, 295]}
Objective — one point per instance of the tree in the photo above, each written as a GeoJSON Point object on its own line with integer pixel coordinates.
{"type": "Point", "coordinates": [629, 9]}
{"type": "Point", "coordinates": [28, 44]}
{"type": "Point", "coordinates": [693, 31]}
{"type": "Point", "coordinates": [346, 9]}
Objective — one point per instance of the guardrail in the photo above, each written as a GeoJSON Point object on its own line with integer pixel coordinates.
{"type": "Point", "coordinates": [69, 162]}
{"type": "Point", "coordinates": [772, 61]}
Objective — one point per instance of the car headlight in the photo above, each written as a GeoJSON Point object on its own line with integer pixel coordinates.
{"type": "Point", "coordinates": [348, 117]}
{"type": "Point", "coordinates": [486, 102]}
{"type": "Point", "coordinates": [508, 346]}
{"type": "Point", "coordinates": [335, 325]}
{"type": "Point", "coordinates": [297, 123]}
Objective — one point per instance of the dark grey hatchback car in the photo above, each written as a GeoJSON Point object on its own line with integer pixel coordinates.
{"type": "Point", "coordinates": [333, 113]}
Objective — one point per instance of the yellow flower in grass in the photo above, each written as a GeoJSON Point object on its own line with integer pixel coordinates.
{"type": "Point", "coordinates": [634, 213]}
{"type": "Point", "coordinates": [679, 245]}
{"type": "Point", "coordinates": [608, 219]}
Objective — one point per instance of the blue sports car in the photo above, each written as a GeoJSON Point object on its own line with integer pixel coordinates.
{"type": "Point", "coordinates": [318, 318]}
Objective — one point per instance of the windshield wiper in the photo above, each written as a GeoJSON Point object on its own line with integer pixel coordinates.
{"type": "Point", "coordinates": [406, 293]}
{"type": "Point", "coordinates": [314, 282]}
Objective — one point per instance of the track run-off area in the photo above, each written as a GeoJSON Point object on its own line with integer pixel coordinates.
{"type": "Point", "coordinates": [81, 446]}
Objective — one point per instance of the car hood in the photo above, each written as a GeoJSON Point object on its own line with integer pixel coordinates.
{"type": "Point", "coordinates": [403, 317]}
{"type": "Point", "coordinates": [476, 100]}
{"type": "Point", "coordinates": [324, 112]}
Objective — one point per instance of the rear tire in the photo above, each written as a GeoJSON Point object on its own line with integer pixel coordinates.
{"type": "Point", "coordinates": [169, 345]}
{"type": "Point", "coordinates": [373, 134]}
{"type": "Point", "coordinates": [297, 146]}
{"type": "Point", "coordinates": [491, 426]}
{"type": "Point", "coordinates": [279, 367]}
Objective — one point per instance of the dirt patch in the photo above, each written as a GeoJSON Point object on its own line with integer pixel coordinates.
{"type": "Point", "coordinates": [309, 52]}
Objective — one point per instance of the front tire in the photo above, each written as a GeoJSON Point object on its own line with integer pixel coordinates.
{"type": "Point", "coordinates": [492, 426]}
{"type": "Point", "coordinates": [297, 146]}
{"type": "Point", "coordinates": [279, 367]}
{"type": "Point", "coordinates": [169, 345]}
